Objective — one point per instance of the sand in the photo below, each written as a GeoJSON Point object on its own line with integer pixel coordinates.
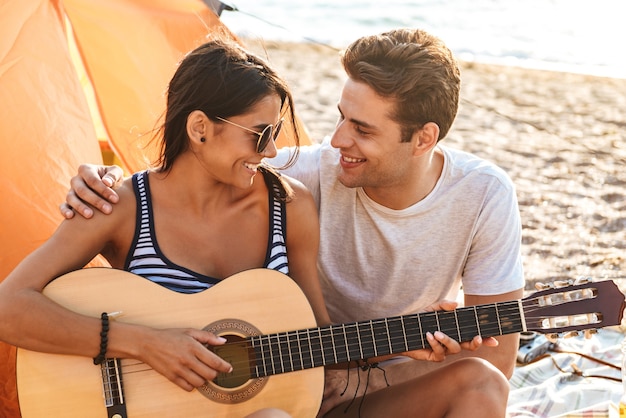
{"type": "Point", "coordinates": [560, 136]}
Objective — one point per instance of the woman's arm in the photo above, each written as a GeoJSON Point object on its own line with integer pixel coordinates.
{"type": "Point", "coordinates": [33, 321]}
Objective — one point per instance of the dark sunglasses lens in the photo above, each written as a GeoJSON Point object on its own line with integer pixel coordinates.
{"type": "Point", "coordinates": [270, 132]}
{"type": "Point", "coordinates": [277, 129]}
{"type": "Point", "coordinates": [264, 139]}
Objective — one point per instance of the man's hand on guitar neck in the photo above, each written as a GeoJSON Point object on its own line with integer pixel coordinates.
{"type": "Point", "coordinates": [340, 381]}
{"type": "Point", "coordinates": [93, 187]}
{"type": "Point", "coordinates": [441, 344]}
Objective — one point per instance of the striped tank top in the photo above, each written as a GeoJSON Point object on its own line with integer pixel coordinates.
{"type": "Point", "coordinates": [146, 259]}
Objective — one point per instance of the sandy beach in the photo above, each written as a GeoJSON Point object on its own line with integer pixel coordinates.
{"type": "Point", "coordinates": [561, 137]}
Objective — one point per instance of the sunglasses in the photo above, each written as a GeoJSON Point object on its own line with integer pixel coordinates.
{"type": "Point", "coordinates": [269, 133]}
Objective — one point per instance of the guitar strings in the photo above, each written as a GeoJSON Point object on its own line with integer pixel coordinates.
{"type": "Point", "coordinates": [277, 353]}
{"type": "Point", "coordinates": [316, 333]}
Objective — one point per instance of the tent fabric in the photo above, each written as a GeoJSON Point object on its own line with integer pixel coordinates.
{"type": "Point", "coordinates": [45, 132]}
{"type": "Point", "coordinates": [130, 50]}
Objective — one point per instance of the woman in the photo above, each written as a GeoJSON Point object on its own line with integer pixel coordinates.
{"type": "Point", "coordinates": [206, 206]}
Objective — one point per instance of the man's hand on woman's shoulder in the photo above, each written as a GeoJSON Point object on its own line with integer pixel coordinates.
{"type": "Point", "coordinates": [93, 187]}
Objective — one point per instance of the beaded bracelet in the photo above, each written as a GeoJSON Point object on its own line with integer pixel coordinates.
{"type": "Point", "coordinates": [104, 339]}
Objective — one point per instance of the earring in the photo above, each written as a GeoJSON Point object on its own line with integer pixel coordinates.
{"type": "Point", "coordinates": [202, 139]}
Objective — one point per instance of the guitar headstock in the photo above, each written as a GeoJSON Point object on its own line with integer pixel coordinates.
{"type": "Point", "coordinates": [567, 307]}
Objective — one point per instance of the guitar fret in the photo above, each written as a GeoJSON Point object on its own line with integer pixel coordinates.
{"type": "Point", "coordinates": [498, 316]}
{"type": "Point", "coordinates": [382, 337]}
{"type": "Point", "coordinates": [520, 308]}
{"type": "Point", "coordinates": [396, 338]}
{"type": "Point", "coordinates": [316, 348]}
{"type": "Point", "coordinates": [253, 361]}
{"type": "Point", "coordinates": [490, 315]}
{"type": "Point", "coordinates": [261, 371]}
{"type": "Point", "coordinates": [294, 350]}
{"type": "Point", "coordinates": [467, 324]}
{"type": "Point", "coordinates": [271, 354]}
{"type": "Point", "coordinates": [421, 333]}
{"type": "Point", "coordinates": [430, 323]}
{"type": "Point", "coordinates": [276, 354]}
{"type": "Point", "coordinates": [283, 343]}
{"type": "Point", "coordinates": [345, 342]}
{"type": "Point", "coordinates": [328, 345]}
{"type": "Point", "coordinates": [261, 352]}
{"type": "Point", "coordinates": [415, 341]}
{"type": "Point", "coordinates": [448, 324]}
{"type": "Point", "coordinates": [388, 337]}
{"type": "Point", "coordinates": [319, 336]}
{"type": "Point", "coordinates": [477, 321]}
{"type": "Point", "coordinates": [513, 321]}
{"type": "Point", "coordinates": [308, 349]}
{"type": "Point", "coordinates": [406, 344]}
{"type": "Point", "coordinates": [367, 339]}
{"type": "Point", "coordinates": [300, 351]}
{"type": "Point", "coordinates": [353, 348]}
{"type": "Point", "coordinates": [332, 338]}
{"type": "Point", "coordinates": [358, 336]}
{"type": "Point", "coordinates": [374, 342]}
{"type": "Point", "coordinates": [341, 343]}
{"type": "Point", "coordinates": [305, 344]}
{"type": "Point", "coordinates": [458, 327]}
{"type": "Point", "coordinates": [289, 351]}
{"type": "Point", "coordinates": [267, 355]}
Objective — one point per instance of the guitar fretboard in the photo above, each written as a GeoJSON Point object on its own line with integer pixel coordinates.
{"type": "Point", "coordinates": [332, 344]}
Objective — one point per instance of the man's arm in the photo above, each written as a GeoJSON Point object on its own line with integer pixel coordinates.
{"type": "Point", "coordinates": [93, 187]}
{"type": "Point", "coordinates": [505, 356]}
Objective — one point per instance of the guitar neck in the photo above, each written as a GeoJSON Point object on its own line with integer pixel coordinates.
{"type": "Point", "coordinates": [332, 344]}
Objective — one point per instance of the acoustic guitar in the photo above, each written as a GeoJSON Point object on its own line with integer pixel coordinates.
{"type": "Point", "coordinates": [274, 344]}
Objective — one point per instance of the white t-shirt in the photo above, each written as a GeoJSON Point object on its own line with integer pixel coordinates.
{"type": "Point", "coordinates": [376, 262]}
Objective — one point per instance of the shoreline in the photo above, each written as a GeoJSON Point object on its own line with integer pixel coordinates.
{"type": "Point", "coordinates": [560, 137]}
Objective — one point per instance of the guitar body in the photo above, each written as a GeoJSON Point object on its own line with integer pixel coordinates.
{"type": "Point", "coordinates": [251, 302]}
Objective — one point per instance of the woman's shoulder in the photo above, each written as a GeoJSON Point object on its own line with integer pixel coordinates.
{"type": "Point", "coordinates": [126, 191]}
{"type": "Point", "coordinates": [127, 201]}
{"type": "Point", "coordinates": [295, 184]}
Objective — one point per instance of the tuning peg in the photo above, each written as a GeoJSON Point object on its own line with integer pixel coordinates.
{"type": "Point", "coordinates": [553, 338]}
{"type": "Point", "coordinates": [543, 286]}
{"type": "Point", "coordinates": [582, 280]}
{"type": "Point", "coordinates": [571, 334]}
{"type": "Point", "coordinates": [562, 283]}
{"type": "Point", "coordinates": [589, 333]}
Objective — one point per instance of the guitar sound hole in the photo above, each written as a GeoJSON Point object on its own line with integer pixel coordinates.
{"type": "Point", "coordinates": [236, 352]}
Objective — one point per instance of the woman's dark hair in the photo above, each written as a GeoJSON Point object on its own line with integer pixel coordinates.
{"type": "Point", "coordinates": [220, 78]}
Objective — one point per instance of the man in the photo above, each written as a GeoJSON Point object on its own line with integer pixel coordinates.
{"type": "Point", "coordinates": [405, 221]}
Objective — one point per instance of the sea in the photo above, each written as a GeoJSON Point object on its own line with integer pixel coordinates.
{"type": "Point", "coordinates": [580, 36]}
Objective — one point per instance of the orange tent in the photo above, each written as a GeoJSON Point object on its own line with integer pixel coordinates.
{"type": "Point", "coordinates": [79, 79]}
